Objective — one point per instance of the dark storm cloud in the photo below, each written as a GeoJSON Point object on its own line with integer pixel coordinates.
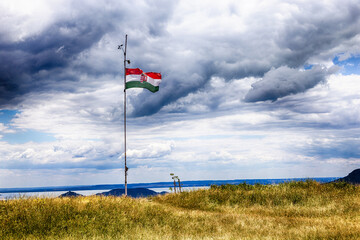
{"type": "Point", "coordinates": [270, 48]}
{"type": "Point", "coordinates": [43, 60]}
{"type": "Point", "coordinates": [283, 81]}
{"type": "Point", "coordinates": [21, 63]}
{"type": "Point", "coordinates": [187, 58]}
{"type": "Point", "coordinates": [317, 28]}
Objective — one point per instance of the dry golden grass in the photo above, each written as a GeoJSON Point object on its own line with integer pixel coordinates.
{"type": "Point", "coordinates": [304, 210]}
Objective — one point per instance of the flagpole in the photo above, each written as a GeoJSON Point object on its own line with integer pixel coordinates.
{"type": "Point", "coordinates": [125, 60]}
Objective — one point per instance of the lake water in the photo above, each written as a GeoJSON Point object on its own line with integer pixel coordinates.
{"type": "Point", "coordinates": [45, 194]}
{"type": "Point", "coordinates": [4, 196]}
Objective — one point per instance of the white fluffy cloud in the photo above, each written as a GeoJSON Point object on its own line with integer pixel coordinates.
{"type": "Point", "coordinates": [152, 150]}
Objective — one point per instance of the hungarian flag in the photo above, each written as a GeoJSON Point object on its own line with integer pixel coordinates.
{"type": "Point", "coordinates": [136, 78]}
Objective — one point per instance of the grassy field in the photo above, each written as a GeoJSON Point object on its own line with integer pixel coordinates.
{"type": "Point", "coordinates": [295, 210]}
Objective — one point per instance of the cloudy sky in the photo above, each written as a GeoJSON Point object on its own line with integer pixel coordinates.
{"type": "Point", "coordinates": [250, 89]}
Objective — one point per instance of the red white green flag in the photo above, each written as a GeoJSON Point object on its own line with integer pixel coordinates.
{"type": "Point", "coordinates": [136, 78]}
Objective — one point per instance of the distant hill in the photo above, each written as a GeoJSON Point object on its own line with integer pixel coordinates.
{"type": "Point", "coordinates": [353, 177]}
{"type": "Point", "coordinates": [70, 194]}
{"type": "Point", "coordinates": [132, 192]}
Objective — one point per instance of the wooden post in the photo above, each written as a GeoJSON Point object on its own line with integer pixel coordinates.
{"type": "Point", "coordinates": [171, 174]}
{"type": "Point", "coordinates": [179, 184]}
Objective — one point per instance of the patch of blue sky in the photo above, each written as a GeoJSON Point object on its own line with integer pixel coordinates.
{"type": "Point", "coordinates": [350, 65]}
{"type": "Point", "coordinates": [6, 115]}
{"type": "Point", "coordinates": [308, 66]}
{"type": "Point", "coordinates": [21, 137]}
